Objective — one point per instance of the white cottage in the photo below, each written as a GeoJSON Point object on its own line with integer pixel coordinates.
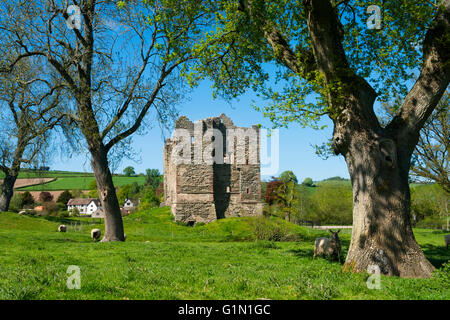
{"type": "Point", "coordinates": [131, 204]}
{"type": "Point", "coordinates": [86, 206]}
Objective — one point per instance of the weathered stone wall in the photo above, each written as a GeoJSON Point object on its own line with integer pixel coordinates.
{"type": "Point", "coordinates": [205, 191]}
{"type": "Point", "coordinates": [194, 178]}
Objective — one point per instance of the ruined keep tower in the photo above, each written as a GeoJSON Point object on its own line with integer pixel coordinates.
{"type": "Point", "coordinates": [212, 170]}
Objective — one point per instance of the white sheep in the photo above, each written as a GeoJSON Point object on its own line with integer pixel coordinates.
{"type": "Point", "coordinates": [328, 247]}
{"type": "Point", "coordinates": [447, 240]}
{"type": "Point", "coordinates": [62, 228]}
{"type": "Point", "coordinates": [96, 234]}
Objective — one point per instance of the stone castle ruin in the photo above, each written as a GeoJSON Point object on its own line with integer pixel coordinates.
{"type": "Point", "coordinates": [212, 170]}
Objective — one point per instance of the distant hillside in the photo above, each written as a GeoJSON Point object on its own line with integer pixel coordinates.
{"type": "Point", "coordinates": [334, 182]}
{"type": "Point", "coordinates": [64, 180]}
{"type": "Point", "coordinates": [32, 174]}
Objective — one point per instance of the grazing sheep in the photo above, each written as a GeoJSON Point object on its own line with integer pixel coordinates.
{"type": "Point", "coordinates": [62, 228]}
{"type": "Point", "coordinates": [329, 247]}
{"type": "Point", "coordinates": [447, 240]}
{"type": "Point", "coordinates": [95, 234]}
{"type": "Point", "coordinates": [27, 213]}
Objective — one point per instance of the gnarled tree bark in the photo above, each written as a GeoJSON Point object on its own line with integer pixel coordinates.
{"type": "Point", "coordinates": [113, 220]}
{"type": "Point", "coordinates": [7, 190]}
{"type": "Point", "coordinates": [11, 174]}
{"type": "Point", "coordinates": [378, 158]}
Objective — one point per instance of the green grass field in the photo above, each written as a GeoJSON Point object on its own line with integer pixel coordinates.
{"type": "Point", "coordinates": [29, 174]}
{"type": "Point", "coordinates": [80, 183]}
{"type": "Point", "coordinates": [165, 260]}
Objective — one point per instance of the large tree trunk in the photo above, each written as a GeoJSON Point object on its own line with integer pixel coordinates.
{"type": "Point", "coordinates": [7, 190]}
{"type": "Point", "coordinates": [378, 158]}
{"type": "Point", "coordinates": [11, 173]}
{"type": "Point", "coordinates": [107, 193]}
{"type": "Point", "coordinates": [382, 233]}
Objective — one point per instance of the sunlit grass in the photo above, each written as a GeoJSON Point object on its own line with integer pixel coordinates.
{"type": "Point", "coordinates": [165, 260]}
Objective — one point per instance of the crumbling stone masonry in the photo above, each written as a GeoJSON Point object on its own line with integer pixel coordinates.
{"type": "Point", "coordinates": [202, 187]}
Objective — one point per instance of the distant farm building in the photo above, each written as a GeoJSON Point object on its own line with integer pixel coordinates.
{"type": "Point", "coordinates": [218, 175]}
{"type": "Point", "coordinates": [86, 206]}
{"type": "Point", "coordinates": [131, 204]}
{"type": "Point", "coordinates": [99, 213]}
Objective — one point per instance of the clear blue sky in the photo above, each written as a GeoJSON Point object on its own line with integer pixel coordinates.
{"type": "Point", "coordinates": [296, 152]}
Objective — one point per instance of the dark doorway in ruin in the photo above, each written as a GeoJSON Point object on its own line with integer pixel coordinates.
{"type": "Point", "coordinates": [190, 223]}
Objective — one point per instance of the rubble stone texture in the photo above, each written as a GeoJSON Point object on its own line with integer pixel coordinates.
{"type": "Point", "coordinates": [211, 182]}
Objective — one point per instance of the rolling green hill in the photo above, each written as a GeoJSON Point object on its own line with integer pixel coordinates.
{"type": "Point", "coordinates": [30, 174]}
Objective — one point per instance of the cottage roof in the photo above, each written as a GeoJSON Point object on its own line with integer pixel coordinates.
{"type": "Point", "coordinates": [134, 202]}
{"type": "Point", "coordinates": [83, 202]}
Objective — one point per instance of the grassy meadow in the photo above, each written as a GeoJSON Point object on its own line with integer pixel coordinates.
{"type": "Point", "coordinates": [233, 258]}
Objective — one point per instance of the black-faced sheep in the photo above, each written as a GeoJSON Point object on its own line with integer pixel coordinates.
{"type": "Point", "coordinates": [96, 234]}
{"type": "Point", "coordinates": [328, 247]}
{"type": "Point", "coordinates": [62, 228]}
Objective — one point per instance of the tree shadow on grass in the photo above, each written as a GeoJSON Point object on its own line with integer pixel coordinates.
{"type": "Point", "coordinates": [437, 255]}
{"type": "Point", "coordinates": [64, 240]}
{"type": "Point", "coordinates": [302, 253]}
{"type": "Point", "coordinates": [309, 253]}
{"type": "Point", "coordinates": [65, 220]}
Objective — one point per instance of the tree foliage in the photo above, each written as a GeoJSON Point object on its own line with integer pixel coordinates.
{"type": "Point", "coordinates": [45, 196]}
{"type": "Point", "coordinates": [270, 195]}
{"type": "Point", "coordinates": [308, 182]}
{"type": "Point", "coordinates": [153, 177]}
{"type": "Point", "coordinates": [430, 206]}
{"type": "Point", "coordinates": [29, 99]}
{"type": "Point", "coordinates": [128, 191]}
{"type": "Point", "coordinates": [64, 197]}
{"type": "Point", "coordinates": [129, 171]}
{"type": "Point", "coordinates": [250, 35]}
{"type": "Point", "coordinates": [27, 198]}
{"type": "Point", "coordinates": [328, 203]}
{"type": "Point", "coordinates": [430, 159]}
